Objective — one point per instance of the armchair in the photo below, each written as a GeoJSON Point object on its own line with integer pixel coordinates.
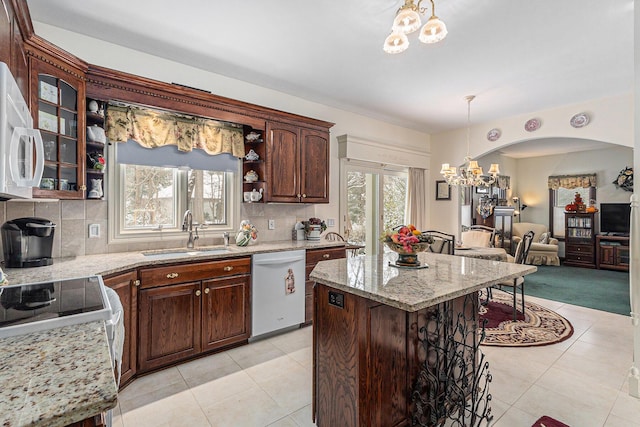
{"type": "Point", "coordinates": [540, 253]}
{"type": "Point", "coordinates": [478, 236]}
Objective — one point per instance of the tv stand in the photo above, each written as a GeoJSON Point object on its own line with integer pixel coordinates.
{"type": "Point", "coordinates": [612, 252]}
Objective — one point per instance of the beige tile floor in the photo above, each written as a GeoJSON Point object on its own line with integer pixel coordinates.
{"type": "Point", "coordinates": [581, 381]}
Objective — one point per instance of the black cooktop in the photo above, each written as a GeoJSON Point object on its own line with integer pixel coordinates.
{"type": "Point", "coordinates": [36, 306]}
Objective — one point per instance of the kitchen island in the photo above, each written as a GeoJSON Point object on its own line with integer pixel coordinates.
{"type": "Point", "coordinates": [398, 347]}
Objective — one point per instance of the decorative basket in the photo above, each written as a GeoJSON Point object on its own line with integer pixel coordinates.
{"type": "Point", "coordinates": [406, 258]}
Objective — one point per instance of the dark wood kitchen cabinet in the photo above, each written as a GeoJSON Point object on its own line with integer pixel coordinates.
{"type": "Point", "coordinates": [58, 108]}
{"type": "Point", "coordinates": [226, 307]}
{"type": "Point", "coordinates": [125, 285]}
{"type": "Point", "coordinates": [188, 309]}
{"type": "Point", "coordinates": [313, 257]}
{"type": "Point", "coordinates": [297, 164]}
{"type": "Point", "coordinates": [13, 53]}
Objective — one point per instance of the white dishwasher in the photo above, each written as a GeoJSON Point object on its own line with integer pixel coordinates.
{"type": "Point", "coordinates": [277, 291]}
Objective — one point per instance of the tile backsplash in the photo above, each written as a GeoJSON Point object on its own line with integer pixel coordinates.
{"type": "Point", "coordinates": [73, 217]}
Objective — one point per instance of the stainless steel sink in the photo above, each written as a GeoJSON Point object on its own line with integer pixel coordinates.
{"type": "Point", "coordinates": [168, 253]}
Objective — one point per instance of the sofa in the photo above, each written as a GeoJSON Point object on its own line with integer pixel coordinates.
{"type": "Point", "coordinates": [544, 249]}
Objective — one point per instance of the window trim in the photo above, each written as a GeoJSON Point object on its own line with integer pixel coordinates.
{"type": "Point", "coordinates": [171, 236]}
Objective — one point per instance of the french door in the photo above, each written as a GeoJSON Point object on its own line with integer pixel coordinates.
{"type": "Point", "coordinates": [373, 199]}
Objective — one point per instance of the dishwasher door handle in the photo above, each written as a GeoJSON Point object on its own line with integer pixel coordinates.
{"type": "Point", "coordinates": [276, 261]}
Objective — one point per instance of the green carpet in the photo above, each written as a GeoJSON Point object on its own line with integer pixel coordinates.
{"type": "Point", "coordinates": [604, 290]}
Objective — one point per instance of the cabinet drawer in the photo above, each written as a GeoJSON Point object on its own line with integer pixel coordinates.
{"type": "Point", "coordinates": [588, 259]}
{"type": "Point", "coordinates": [580, 249]}
{"type": "Point", "coordinates": [161, 276]}
{"type": "Point", "coordinates": [316, 255]}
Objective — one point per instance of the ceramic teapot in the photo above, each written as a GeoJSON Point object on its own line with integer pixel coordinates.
{"type": "Point", "coordinates": [252, 155]}
{"type": "Point", "coordinates": [251, 176]}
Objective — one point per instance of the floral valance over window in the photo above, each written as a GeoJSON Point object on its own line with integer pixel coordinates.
{"type": "Point", "coordinates": [572, 181]}
{"type": "Point", "coordinates": [152, 129]}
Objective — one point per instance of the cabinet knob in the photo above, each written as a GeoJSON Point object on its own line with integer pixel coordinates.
{"type": "Point", "coordinates": [206, 290]}
{"type": "Point", "coordinates": [228, 268]}
{"type": "Point", "coordinates": [198, 293]}
{"type": "Point", "coordinates": [136, 283]}
{"type": "Point", "coordinates": [172, 275]}
{"type": "Point", "coordinates": [326, 256]}
{"type": "Point", "coordinates": [304, 195]}
{"type": "Point", "coordinates": [299, 195]}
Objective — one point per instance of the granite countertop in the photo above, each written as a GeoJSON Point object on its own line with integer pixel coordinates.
{"type": "Point", "coordinates": [56, 377]}
{"type": "Point", "coordinates": [447, 277]}
{"type": "Point", "coordinates": [105, 264]}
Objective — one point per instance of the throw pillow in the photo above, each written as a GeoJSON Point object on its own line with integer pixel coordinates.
{"type": "Point", "coordinates": [544, 238]}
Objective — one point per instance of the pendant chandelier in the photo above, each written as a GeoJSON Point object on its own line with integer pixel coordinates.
{"type": "Point", "coordinates": [470, 173]}
{"type": "Point", "coordinates": [407, 21]}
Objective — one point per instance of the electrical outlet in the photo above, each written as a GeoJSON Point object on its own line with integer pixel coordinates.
{"type": "Point", "coordinates": [271, 225]}
{"type": "Point", "coordinates": [94, 231]}
{"type": "Point", "coordinates": [331, 222]}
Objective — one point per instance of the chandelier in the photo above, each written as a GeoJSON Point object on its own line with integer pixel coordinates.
{"type": "Point", "coordinates": [407, 21]}
{"type": "Point", "coordinates": [470, 173]}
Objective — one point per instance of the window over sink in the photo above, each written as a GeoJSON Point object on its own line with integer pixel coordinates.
{"type": "Point", "coordinates": [149, 201]}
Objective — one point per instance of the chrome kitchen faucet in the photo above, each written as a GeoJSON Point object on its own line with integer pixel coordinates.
{"type": "Point", "coordinates": [187, 225]}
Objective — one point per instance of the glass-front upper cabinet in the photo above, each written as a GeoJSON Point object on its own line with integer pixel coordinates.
{"type": "Point", "coordinates": [59, 103]}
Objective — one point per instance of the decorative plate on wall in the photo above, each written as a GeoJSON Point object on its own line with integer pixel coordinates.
{"type": "Point", "coordinates": [494, 134]}
{"type": "Point", "coordinates": [580, 120]}
{"type": "Point", "coordinates": [532, 125]}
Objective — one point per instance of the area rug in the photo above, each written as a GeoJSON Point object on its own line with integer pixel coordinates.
{"type": "Point", "coordinates": [539, 325]}
{"type": "Point", "coordinates": [548, 421]}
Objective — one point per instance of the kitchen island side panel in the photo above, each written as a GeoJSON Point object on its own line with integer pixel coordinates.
{"type": "Point", "coordinates": [336, 359]}
{"type": "Point", "coordinates": [369, 357]}
{"type": "Point", "coordinates": [361, 362]}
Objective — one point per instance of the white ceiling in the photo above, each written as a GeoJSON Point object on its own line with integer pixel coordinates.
{"type": "Point", "coordinates": [517, 56]}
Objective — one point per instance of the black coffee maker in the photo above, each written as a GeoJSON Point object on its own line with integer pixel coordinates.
{"type": "Point", "coordinates": [27, 242]}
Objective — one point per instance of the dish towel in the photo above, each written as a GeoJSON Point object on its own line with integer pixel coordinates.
{"type": "Point", "coordinates": [546, 421]}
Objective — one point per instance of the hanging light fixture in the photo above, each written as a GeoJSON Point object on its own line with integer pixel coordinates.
{"type": "Point", "coordinates": [407, 21]}
{"type": "Point", "coordinates": [471, 174]}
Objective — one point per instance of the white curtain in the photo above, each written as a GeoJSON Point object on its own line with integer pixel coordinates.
{"type": "Point", "coordinates": [416, 212]}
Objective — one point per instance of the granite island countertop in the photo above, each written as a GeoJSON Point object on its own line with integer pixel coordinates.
{"type": "Point", "coordinates": [56, 377]}
{"type": "Point", "coordinates": [111, 263]}
{"type": "Point", "coordinates": [447, 277]}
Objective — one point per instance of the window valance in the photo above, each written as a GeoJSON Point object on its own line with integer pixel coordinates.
{"type": "Point", "coordinates": [572, 181]}
{"type": "Point", "coordinates": [152, 129]}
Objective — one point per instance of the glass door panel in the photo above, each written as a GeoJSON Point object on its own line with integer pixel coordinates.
{"type": "Point", "coordinates": [394, 199]}
{"type": "Point", "coordinates": [375, 201]}
{"type": "Point", "coordinates": [58, 121]}
{"type": "Point", "coordinates": [69, 96]}
{"type": "Point", "coordinates": [68, 150]}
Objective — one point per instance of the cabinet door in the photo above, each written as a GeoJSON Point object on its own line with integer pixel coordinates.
{"type": "Point", "coordinates": [57, 99]}
{"type": "Point", "coordinates": [314, 166]}
{"type": "Point", "coordinates": [226, 311]}
{"type": "Point", "coordinates": [168, 324]}
{"type": "Point", "coordinates": [283, 163]}
{"type": "Point", "coordinates": [124, 286]}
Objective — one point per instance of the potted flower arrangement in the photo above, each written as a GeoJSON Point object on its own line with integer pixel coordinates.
{"type": "Point", "coordinates": [313, 228]}
{"type": "Point", "coordinates": [247, 233]}
{"type": "Point", "coordinates": [407, 241]}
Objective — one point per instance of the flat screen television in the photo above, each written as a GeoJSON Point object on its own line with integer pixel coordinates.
{"type": "Point", "coordinates": [615, 218]}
